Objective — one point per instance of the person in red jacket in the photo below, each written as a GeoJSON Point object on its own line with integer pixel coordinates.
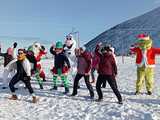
{"type": "Point", "coordinates": [95, 61]}
{"type": "Point", "coordinates": [107, 71]}
{"type": "Point", "coordinates": [38, 58]}
{"type": "Point", "coordinates": [83, 70]}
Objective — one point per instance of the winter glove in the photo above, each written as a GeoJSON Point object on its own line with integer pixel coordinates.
{"type": "Point", "coordinates": [15, 44]}
{"type": "Point", "coordinates": [43, 48]}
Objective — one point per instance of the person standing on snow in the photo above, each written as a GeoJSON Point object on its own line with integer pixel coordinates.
{"type": "Point", "coordinates": [95, 62]}
{"type": "Point", "coordinates": [8, 57]}
{"type": "Point", "coordinates": [38, 51]}
{"type": "Point", "coordinates": [145, 61]}
{"type": "Point", "coordinates": [23, 67]}
{"type": "Point", "coordinates": [83, 70]}
{"type": "Point", "coordinates": [113, 53]}
{"type": "Point", "coordinates": [107, 71]}
{"type": "Point", "coordinates": [69, 51]}
{"type": "Point", "coordinates": [61, 66]}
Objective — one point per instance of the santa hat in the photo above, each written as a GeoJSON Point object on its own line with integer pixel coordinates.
{"type": "Point", "coordinates": [143, 36]}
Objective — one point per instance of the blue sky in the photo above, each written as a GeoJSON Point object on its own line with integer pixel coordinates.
{"type": "Point", "coordinates": [53, 19]}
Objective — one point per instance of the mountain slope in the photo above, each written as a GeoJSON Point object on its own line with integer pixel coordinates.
{"type": "Point", "coordinates": [123, 35]}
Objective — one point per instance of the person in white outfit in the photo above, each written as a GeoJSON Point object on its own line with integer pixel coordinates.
{"type": "Point", "coordinates": [23, 68]}
{"type": "Point", "coordinates": [69, 50]}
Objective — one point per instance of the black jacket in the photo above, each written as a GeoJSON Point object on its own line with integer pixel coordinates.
{"type": "Point", "coordinates": [60, 59]}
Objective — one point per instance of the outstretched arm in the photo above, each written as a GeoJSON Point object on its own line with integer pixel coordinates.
{"type": "Point", "coordinates": [156, 50]}
{"type": "Point", "coordinates": [52, 51]}
{"type": "Point", "coordinates": [133, 48]}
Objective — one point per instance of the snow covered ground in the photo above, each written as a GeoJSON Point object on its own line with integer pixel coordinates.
{"type": "Point", "coordinates": [53, 105]}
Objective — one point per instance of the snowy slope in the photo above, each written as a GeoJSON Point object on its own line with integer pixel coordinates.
{"type": "Point", "coordinates": [53, 105]}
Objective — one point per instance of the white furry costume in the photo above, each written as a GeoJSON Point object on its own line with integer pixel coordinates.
{"type": "Point", "coordinates": [69, 48]}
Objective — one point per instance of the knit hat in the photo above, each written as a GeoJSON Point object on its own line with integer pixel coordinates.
{"type": "Point", "coordinates": [59, 44]}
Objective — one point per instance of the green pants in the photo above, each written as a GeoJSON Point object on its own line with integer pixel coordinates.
{"type": "Point", "coordinates": [38, 78]}
{"type": "Point", "coordinates": [63, 78]}
{"type": "Point", "coordinates": [145, 74]}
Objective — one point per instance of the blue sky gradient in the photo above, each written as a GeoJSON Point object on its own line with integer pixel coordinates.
{"type": "Point", "coordinates": [53, 19]}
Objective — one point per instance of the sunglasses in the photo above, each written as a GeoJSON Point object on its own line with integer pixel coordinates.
{"type": "Point", "coordinates": [20, 53]}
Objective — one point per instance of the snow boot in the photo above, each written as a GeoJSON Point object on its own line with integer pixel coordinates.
{"type": "Point", "coordinates": [13, 97]}
{"type": "Point", "coordinates": [44, 80]}
{"type": "Point", "coordinates": [91, 97]}
{"type": "Point", "coordinates": [99, 100]}
{"type": "Point", "coordinates": [34, 99]}
{"type": "Point", "coordinates": [73, 94]}
{"type": "Point", "coordinates": [4, 87]}
{"type": "Point", "coordinates": [137, 93]}
{"type": "Point", "coordinates": [41, 86]}
{"type": "Point", "coordinates": [149, 93]}
{"type": "Point", "coordinates": [120, 102]}
{"type": "Point", "coordinates": [54, 88]}
{"type": "Point", "coordinates": [66, 90]}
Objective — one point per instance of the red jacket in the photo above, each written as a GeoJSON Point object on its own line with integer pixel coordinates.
{"type": "Point", "coordinates": [107, 64]}
{"type": "Point", "coordinates": [41, 53]}
{"type": "Point", "coordinates": [95, 60]}
{"type": "Point", "coordinates": [84, 63]}
{"type": "Point", "coordinates": [151, 53]}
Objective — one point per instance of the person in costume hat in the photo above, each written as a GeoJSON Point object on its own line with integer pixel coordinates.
{"type": "Point", "coordinates": [23, 68]}
{"type": "Point", "coordinates": [61, 66]}
{"type": "Point", "coordinates": [145, 61]}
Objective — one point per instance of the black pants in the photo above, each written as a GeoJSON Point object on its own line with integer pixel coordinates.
{"type": "Point", "coordinates": [86, 78]}
{"type": "Point", "coordinates": [93, 77]}
{"type": "Point", "coordinates": [112, 83]}
{"type": "Point", "coordinates": [16, 79]}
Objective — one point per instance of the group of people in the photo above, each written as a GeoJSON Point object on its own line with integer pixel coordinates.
{"type": "Point", "coordinates": [21, 67]}
{"type": "Point", "coordinates": [77, 62]}
{"type": "Point", "coordinates": [68, 60]}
